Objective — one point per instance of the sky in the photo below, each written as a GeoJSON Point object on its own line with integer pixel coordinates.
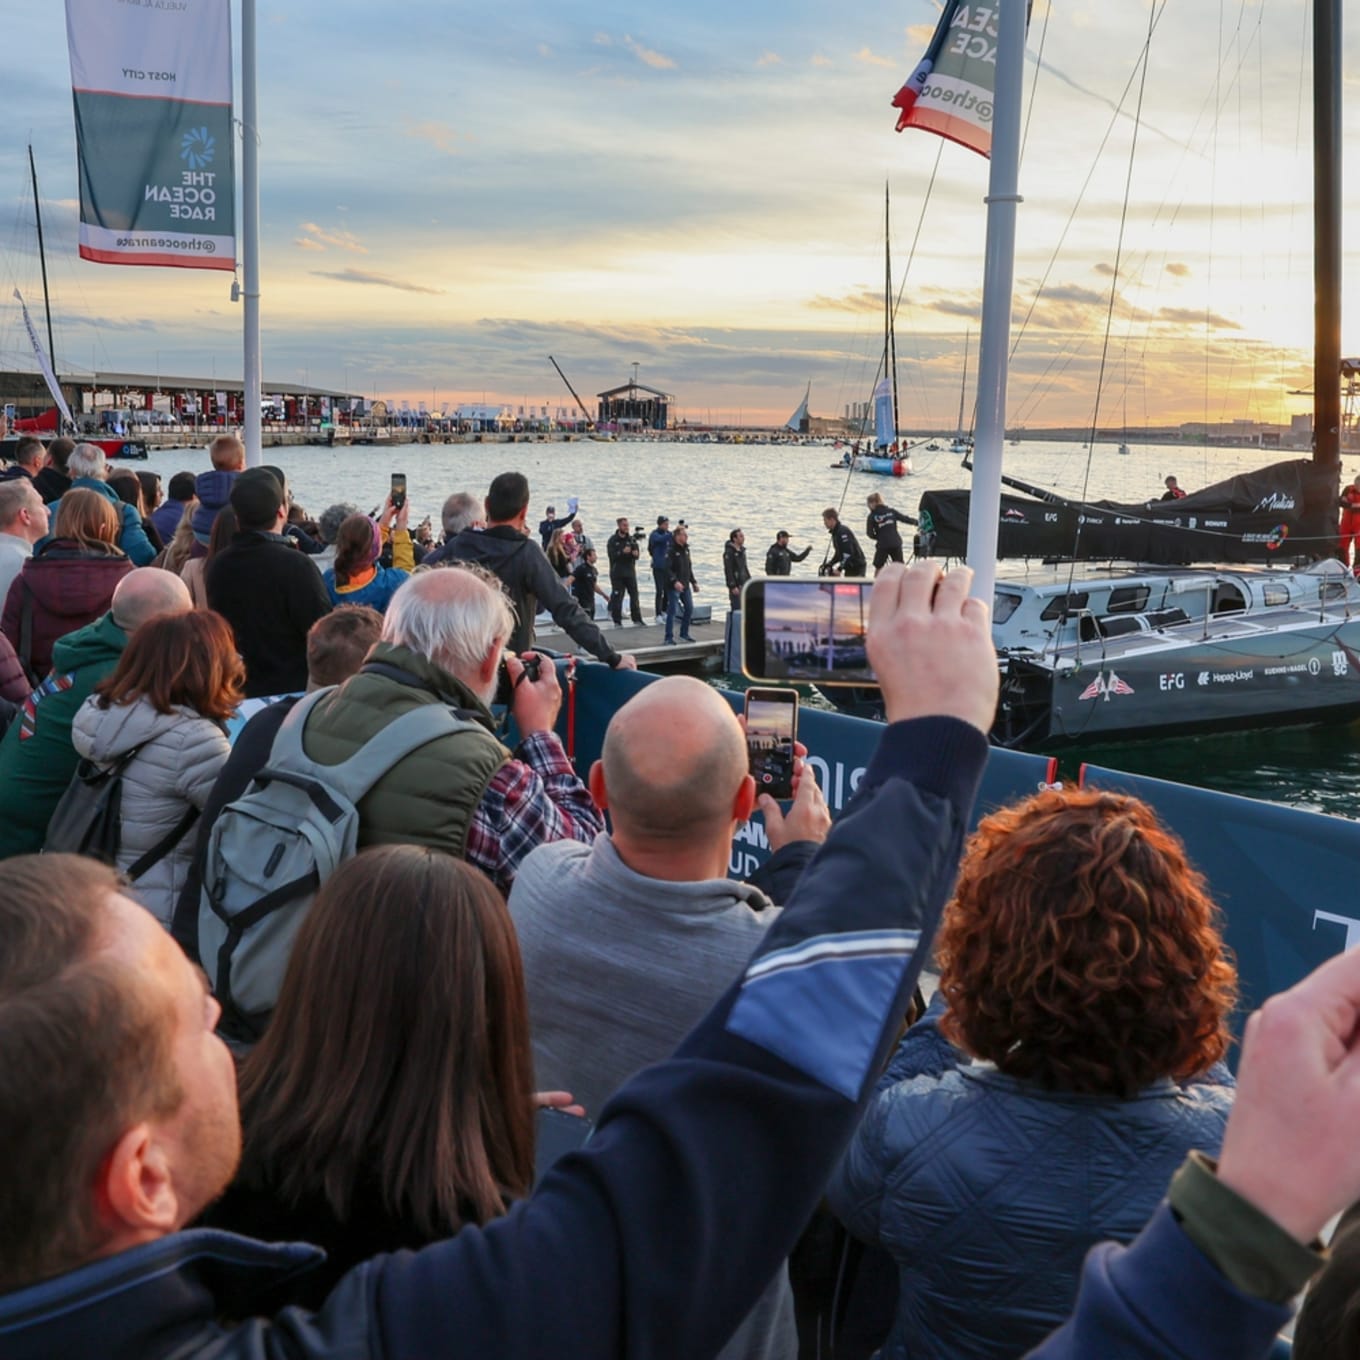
{"type": "Point", "coordinates": [451, 192]}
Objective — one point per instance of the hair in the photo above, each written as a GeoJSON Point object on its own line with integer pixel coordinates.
{"type": "Point", "coordinates": [227, 452]}
{"type": "Point", "coordinates": [182, 486]}
{"type": "Point", "coordinates": [873, 498]}
{"type": "Point", "coordinates": [1081, 950]}
{"type": "Point", "coordinates": [459, 511]}
{"type": "Point", "coordinates": [181, 546]}
{"type": "Point", "coordinates": [732, 537]}
{"type": "Point", "coordinates": [354, 547]}
{"type": "Point", "coordinates": [87, 460]}
{"type": "Point", "coordinates": [184, 659]}
{"type": "Point", "coordinates": [151, 489]}
{"type": "Point", "coordinates": [28, 452]}
{"type": "Point", "coordinates": [88, 518]}
{"type": "Point", "coordinates": [60, 451]}
{"type": "Point", "coordinates": [621, 521]}
{"type": "Point", "coordinates": [332, 517]}
{"type": "Point", "coordinates": [557, 552]}
{"type": "Point", "coordinates": [87, 1054]}
{"type": "Point", "coordinates": [15, 495]}
{"type": "Point", "coordinates": [830, 513]}
{"type": "Point", "coordinates": [338, 642]}
{"type": "Point", "coordinates": [1328, 1326]}
{"type": "Point", "coordinates": [508, 496]}
{"type": "Point", "coordinates": [399, 1052]}
{"type": "Point", "coordinates": [128, 486]}
{"type": "Point", "coordinates": [453, 617]}
{"type": "Point", "coordinates": [224, 528]}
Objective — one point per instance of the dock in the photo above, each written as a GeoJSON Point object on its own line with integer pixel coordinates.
{"type": "Point", "coordinates": [646, 642]}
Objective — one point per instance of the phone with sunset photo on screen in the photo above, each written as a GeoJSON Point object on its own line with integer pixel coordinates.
{"type": "Point", "coordinates": [809, 631]}
{"type": "Point", "coordinates": [771, 729]}
{"type": "Point", "coordinates": [398, 490]}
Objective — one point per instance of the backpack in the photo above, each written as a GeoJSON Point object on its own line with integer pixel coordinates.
{"type": "Point", "coordinates": [88, 819]}
{"type": "Point", "coordinates": [272, 849]}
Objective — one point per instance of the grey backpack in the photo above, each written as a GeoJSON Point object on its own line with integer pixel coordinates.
{"type": "Point", "coordinates": [271, 850]}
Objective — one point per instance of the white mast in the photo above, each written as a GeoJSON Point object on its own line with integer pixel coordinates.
{"type": "Point", "coordinates": [250, 234]}
{"type": "Point", "coordinates": [984, 504]}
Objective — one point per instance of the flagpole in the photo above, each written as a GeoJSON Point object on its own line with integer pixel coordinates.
{"type": "Point", "coordinates": [984, 504]}
{"type": "Point", "coordinates": [250, 234]}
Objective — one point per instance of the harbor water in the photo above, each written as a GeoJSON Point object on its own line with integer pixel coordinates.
{"type": "Point", "coordinates": [762, 488]}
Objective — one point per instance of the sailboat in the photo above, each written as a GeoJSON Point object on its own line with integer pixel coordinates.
{"type": "Point", "coordinates": [1222, 647]}
{"type": "Point", "coordinates": [962, 442]}
{"type": "Point", "coordinates": [799, 421]}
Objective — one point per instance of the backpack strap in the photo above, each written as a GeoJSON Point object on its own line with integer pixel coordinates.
{"type": "Point", "coordinates": [163, 846]}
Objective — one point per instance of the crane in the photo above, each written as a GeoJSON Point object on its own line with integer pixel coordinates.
{"type": "Point", "coordinates": [590, 420]}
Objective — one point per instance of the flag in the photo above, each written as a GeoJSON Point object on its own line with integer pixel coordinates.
{"type": "Point", "coordinates": [44, 362]}
{"type": "Point", "coordinates": [950, 91]}
{"type": "Point", "coordinates": [154, 137]}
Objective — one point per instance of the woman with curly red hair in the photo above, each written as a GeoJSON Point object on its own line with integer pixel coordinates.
{"type": "Point", "coordinates": [1085, 982]}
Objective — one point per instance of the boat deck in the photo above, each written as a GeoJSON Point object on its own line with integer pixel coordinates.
{"type": "Point", "coordinates": [646, 642]}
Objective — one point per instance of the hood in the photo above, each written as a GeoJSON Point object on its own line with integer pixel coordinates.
{"type": "Point", "coordinates": [486, 546]}
{"type": "Point", "coordinates": [104, 489]}
{"type": "Point", "coordinates": [104, 734]}
{"type": "Point", "coordinates": [213, 490]}
{"type": "Point", "coordinates": [96, 644]}
{"type": "Point", "coordinates": [68, 582]}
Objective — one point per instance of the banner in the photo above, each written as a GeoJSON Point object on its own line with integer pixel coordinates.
{"type": "Point", "coordinates": [950, 91]}
{"type": "Point", "coordinates": [44, 362]}
{"type": "Point", "coordinates": [151, 81]}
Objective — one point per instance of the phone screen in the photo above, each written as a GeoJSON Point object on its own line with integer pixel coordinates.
{"type": "Point", "coordinates": [771, 726]}
{"type": "Point", "coordinates": [806, 630]}
{"type": "Point", "coordinates": [398, 490]}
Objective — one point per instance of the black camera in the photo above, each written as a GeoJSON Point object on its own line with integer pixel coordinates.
{"type": "Point", "coordinates": [505, 687]}
{"type": "Point", "coordinates": [639, 533]}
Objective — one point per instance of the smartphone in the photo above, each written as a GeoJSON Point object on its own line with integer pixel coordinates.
{"type": "Point", "coordinates": [398, 490]}
{"type": "Point", "coordinates": [771, 727]}
{"type": "Point", "coordinates": [806, 630]}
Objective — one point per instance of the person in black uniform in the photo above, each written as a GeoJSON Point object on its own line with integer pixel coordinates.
{"type": "Point", "coordinates": [623, 559]}
{"type": "Point", "coordinates": [585, 582]}
{"type": "Point", "coordinates": [779, 557]}
{"type": "Point", "coordinates": [882, 528]}
{"type": "Point", "coordinates": [849, 556]}
{"type": "Point", "coordinates": [734, 566]}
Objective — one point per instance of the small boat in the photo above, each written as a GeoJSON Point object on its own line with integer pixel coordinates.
{"type": "Point", "coordinates": [1123, 449]}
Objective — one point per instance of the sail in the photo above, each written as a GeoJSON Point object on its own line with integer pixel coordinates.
{"type": "Point", "coordinates": [44, 362]}
{"type": "Point", "coordinates": [798, 421]}
{"type": "Point", "coordinates": [1258, 516]}
{"type": "Point", "coordinates": [884, 433]}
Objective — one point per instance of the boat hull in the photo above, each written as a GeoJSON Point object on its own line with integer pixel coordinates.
{"type": "Point", "coordinates": [882, 467]}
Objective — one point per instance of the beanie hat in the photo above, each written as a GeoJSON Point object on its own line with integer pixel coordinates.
{"type": "Point", "coordinates": [213, 490]}
{"type": "Point", "coordinates": [256, 497]}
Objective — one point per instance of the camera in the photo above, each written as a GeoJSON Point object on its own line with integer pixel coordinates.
{"type": "Point", "coordinates": [639, 533]}
{"type": "Point", "coordinates": [505, 687]}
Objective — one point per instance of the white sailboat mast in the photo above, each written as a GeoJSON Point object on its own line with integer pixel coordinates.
{"type": "Point", "coordinates": [984, 505]}
{"type": "Point", "coordinates": [250, 234]}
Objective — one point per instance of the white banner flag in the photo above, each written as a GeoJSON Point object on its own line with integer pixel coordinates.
{"type": "Point", "coordinates": [44, 363]}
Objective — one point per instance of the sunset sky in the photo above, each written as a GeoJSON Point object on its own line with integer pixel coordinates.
{"type": "Point", "coordinates": [453, 192]}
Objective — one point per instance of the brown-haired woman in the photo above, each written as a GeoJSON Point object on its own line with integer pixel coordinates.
{"type": "Point", "coordinates": [1081, 964]}
{"type": "Point", "coordinates": [67, 583]}
{"type": "Point", "coordinates": [357, 577]}
{"type": "Point", "coordinates": [192, 572]}
{"type": "Point", "coordinates": [390, 1101]}
{"type": "Point", "coordinates": [168, 699]}
{"type": "Point", "coordinates": [132, 491]}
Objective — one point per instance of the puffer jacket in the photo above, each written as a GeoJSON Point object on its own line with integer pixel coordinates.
{"type": "Point", "coordinates": [988, 1191]}
{"type": "Point", "coordinates": [66, 587]}
{"type": "Point", "coordinates": [14, 684]}
{"type": "Point", "coordinates": [182, 754]}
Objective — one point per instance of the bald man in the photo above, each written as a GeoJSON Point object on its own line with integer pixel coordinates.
{"type": "Point", "coordinates": [37, 759]}
{"type": "Point", "coordinates": [627, 942]}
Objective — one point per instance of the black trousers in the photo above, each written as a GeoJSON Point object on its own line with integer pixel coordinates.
{"type": "Point", "coordinates": [886, 552]}
{"type": "Point", "coordinates": [617, 586]}
{"type": "Point", "coordinates": [659, 576]}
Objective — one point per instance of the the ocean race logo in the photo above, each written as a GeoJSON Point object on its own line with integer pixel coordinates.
{"type": "Point", "coordinates": [197, 148]}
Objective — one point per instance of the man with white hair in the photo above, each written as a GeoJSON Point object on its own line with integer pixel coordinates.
{"type": "Point", "coordinates": [462, 510]}
{"type": "Point", "coordinates": [88, 468]}
{"type": "Point", "coordinates": [23, 521]}
{"type": "Point", "coordinates": [443, 642]}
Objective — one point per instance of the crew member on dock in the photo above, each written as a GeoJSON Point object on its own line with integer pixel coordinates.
{"type": "Point", "coordinates": [849, 556]}
{"type": "Point", "coordinates": [734, 566]}
{"type": "Point", "coordinates": [546, 527]}
{"type": "Point", "coordinates": [881, 526]}
{"type": "Point", "coordinates": [623, 560]}
{"type": "Point", "coordinates": [779, 557]}
{"type": "Point", "coordinates": [1173, 491]}
{"type": "Point", "coordinates": [658, 549]}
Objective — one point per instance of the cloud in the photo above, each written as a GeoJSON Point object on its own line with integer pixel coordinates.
{"type": "Point", "coordinates": [544, 50]}
{"type": "Point", "coordinates": [603, 40]}
{"type": "Point", "coordinates": [658, 61]}
{"type": "Point", "coordinates": [439, 135]}
{"type": "Point", "coordinates": [919, 35]}
{"type": "Point", "coordinates": [862, 300]}
{"type": "Point", "coordinates": [378, 280]}
{"type": "Point", "coordinates": [770, 59]}
{"type": "Point", "coordinates": [1178, 270]}
{"type": "Point", "coordinates": [306, 243]}
{"type": "Point", "coordinates": [1188, 316]}
{"type": "Point", "coordinates": [871, 58]}
{"type": "Point", "coordinates": [339, 237]}
{"type": "Point", "coordinates": [817, 59]}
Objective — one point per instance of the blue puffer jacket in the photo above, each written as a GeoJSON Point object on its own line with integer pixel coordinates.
{"type": "Point", "coordinates": [989, 1191]}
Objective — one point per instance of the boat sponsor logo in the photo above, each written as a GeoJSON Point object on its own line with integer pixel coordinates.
{"type": "Point", "coordinates": [1193, 522]}
{"type": "Point", "coordinates": [1126, 522]}
{"type": "Point", "coordinates": [1313, 667]}
{"type": "Point", "coordinates": [1225, 677]}
{"type": "Point", "coordinates": [1214, 523]}
{"type": "Point", "coordinates": [1105, 687]}
{"type": "Point", "coordinates": [1171, 680]}
{"type": "Point", "coordinates": [1050, 517]}
{"type": "Point", "coordinates": [1015, 516]}
{"type": "Point", "coordinates": [1272, 540]}
{"type": "Point", "coordinates": [1277, 500]}
{"type": "Point", "coordinates": [1340, 664]}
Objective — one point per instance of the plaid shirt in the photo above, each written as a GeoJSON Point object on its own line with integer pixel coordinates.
{"type": "Point", "coordinates": [534, 798]}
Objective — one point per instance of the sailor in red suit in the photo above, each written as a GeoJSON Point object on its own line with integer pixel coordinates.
{"type": "Point", "coordinates": [1350, 519]}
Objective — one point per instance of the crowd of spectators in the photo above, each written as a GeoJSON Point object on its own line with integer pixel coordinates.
{"type": "Point", "coordinates": [1046, 1156]}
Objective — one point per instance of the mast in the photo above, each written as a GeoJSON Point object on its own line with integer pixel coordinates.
{"type": "Point", "coordinates": [250, 236]}
{"type": "Point", "coordinates": [1327, 237]}
{"type": "Point", "coordinates": [963, 386]}
{"type": "Point", "coordinates": [998, 282]}
{"type": "Point", "coordinates": [42, 255]}
{"type": "Point", "coordinates": [889, 332]}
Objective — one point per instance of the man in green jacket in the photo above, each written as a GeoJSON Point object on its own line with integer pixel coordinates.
{"type": "Point", "coordinates": [37, 759]}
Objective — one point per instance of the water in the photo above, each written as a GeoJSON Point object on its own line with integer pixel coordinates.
{"type": "Point", "coordinates": [762, 489]}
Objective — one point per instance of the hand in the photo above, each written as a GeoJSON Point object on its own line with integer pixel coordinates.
{"type": "Point", "coordinates": [695, 587]}
{"type": "Point", "coordinates": [403, 515]}
{"type": "Point", "coordinates": [388, 511]}
{"type": "Point", "coordinates": [1290, 1146]}
{"type": "Point", "coordinates": [627, 662]}
{"type": "Point", "coordinates": [808, 818]}
{"type": "Point", "coordinates": [930, 645]}
{"type": "Point", "coordinates": [534, 704]}
{"type": "Point", "coordinates": [559, 1100]}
